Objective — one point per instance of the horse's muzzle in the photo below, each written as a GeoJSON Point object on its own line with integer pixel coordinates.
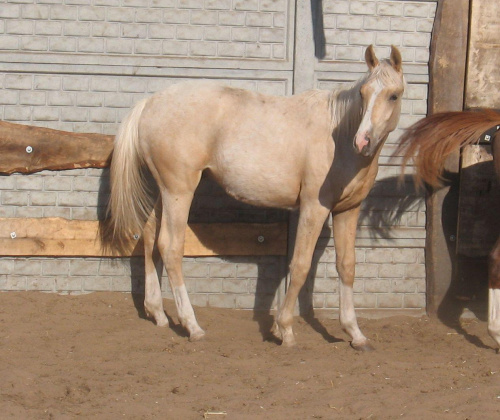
{"type": "Point", "coordinates": [362, 144]}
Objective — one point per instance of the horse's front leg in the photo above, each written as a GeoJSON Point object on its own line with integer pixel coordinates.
{"type": "Point", "coordinates": [494, 294]}
{"type": "Point", "coordinates": [344, 235]}
{"type": "Point", "coordinates": [311, 219]}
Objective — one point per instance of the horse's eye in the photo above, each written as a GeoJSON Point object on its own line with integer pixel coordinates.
{"type": "Point", "coordinates": [393, 97]}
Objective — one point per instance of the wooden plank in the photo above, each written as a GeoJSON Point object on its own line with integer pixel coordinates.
{"type": "Point", "coordinates": [483, 75]}
{"type": "Point", "coordinates": [62, 237]}
{"type": "Point", "coordinates": [28, 149]}
{"type": "Point", "coordinates": [478, 222]}
{"type": "Point", "coordinates": [446, 93]}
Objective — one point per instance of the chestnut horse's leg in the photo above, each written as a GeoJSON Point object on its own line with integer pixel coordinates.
{"type": "Point", "coordinates": [153, 302]}
{"type": "Point", "coordinates": [176, 204]}
{"type": "Point", "coordinates": [494, 293]}
{"type": "Point", "coordinates": [344, 235]}
{"type": "Point", "coordinates": [311, 219]}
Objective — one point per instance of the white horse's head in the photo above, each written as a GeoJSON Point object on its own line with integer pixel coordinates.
{"type": "Point", "coordinates": [381, 94]}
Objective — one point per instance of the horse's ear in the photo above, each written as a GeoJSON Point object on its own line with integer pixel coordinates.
{"type": "Point", "coordinates": [370, 58]}
{"type": "Point", "coordinates": [395, 59]}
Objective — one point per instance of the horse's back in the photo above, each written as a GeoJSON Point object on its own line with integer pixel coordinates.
{"type": "Point", "coordinates": [255, 145]}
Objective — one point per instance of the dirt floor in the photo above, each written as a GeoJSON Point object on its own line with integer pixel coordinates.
{"type": "Point", "coordinates": [96, 356]}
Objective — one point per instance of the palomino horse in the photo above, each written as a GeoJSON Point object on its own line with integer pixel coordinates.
{"type": "Point", "coordinates": [317, 151]}
{"type": "Point", "coordinates": [429, 142]}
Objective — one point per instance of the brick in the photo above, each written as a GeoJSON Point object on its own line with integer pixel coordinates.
{"type": "Point", "coordinates": [378, 255]}
{"type": "Point", "coordinates": [90, 45]}
{"type": "Point", "coordinates": [403, 286]}
{"type": "Point", "coordinates": [91, 13]}
{"type": "Point", "coordinates": [57, 183]}
{"type": "Point", "coordinates": [272, 35]}
{"type": "Point", "coordinates": [336, 7]}
{"type": "Point", "coordinates": [120, 14]}
{"type": "Point", "coordinates": [132, 85]}
{"type": "Point", "coordinates": [102, 115]}
{"type": "Point", "coordinates": [415, 270]}
{"type": "Point", "coordinates": [259, 19]}
{"type": "Point", "coordinates": [332, 301]}
{"type": "Point", "coordinates": [416, 40]}
{"type": "Point", "coordinates": [234, 286]}
{"type": "Point", "coordinates": [19, 27]}
{"type": "Point", "coordinates": [392, 270]}
{"type": "Point", "coordinates": [414, 301]}
{"type": "Point", "coordinates": [403, 24]}
{"type": "Point", "coordinates": [77, 29]}
{"type": "Point", "coordinates": [106, 29]}
{"type": "Point", "coordinates": [218, 4]}
{"type": "Point", "coordinates": [348, 53]}
{"type": "Point", "coordinates": [111, 268]}
{"type": "Point", "coordinates": [134, 30]}
{"type": "Point", "coordinates": [203, 48]}
{"type": "Point", "coordinates": [175, 48]}
{"type": "Point", "coordinates": [9, 42]}
{"type": "Point", "coordinates": [61, 99]}
{"type": "Point", "coordinates": [388, 38]}
{"type": "Point", "coordinates": [35, 11]}
{"type": "Point", "coordinates": [362, 7]}
{"type": "Point", "coordinates": [83, 267]}
{"type": "Point", "coordinates": [244, 34]}
{"type": "Point", "coordinates": [8, 182]}
{"type": "Point", "coordinates": [212, 285]}
{"type": "Point", "coordinates": [192, 269]}
{"type": "Point", "coordinates": [279, 52]}
{"type": "Point", "coordinates": [349, 22]}
{"type": "Point", "coordinates": [279, 20]}
{"type": "Point", "coordinates": [222, 270]}
{"type": "Point", "coordinates": [10, 11]}
{"type": "Point", "coordinates": [74, 114]}
{"type": "Point", "coordinates": [41, 283]}
{"type": "Point", "coordinates": [15, 198]}
{"type": "Point", "coordinates": [48, 28]}
{"type": "Point", "coordinates": [63, 12]}
{"type": "Point", "coordinates": [217, 33]}
{"type": "Point", "coordinates": [175, 16]}
{"type": "Point", "coordinates": [76, 83]}
{"type": "Point", "coordinates": [361, 38]}
{"type": "Point", "coordinates": [27, 267]}
{"type": "Point", "coordinates": [17, 113]}
{"type": "Point", "coordinates": [143, 46]}
{"type": "Point", "coordinates": [32, 98]}
{"type": "Point", "coordinates": [221, 301]}
{"type": "Point", "coordinates": [250, 302]}
{"type": "Point", "coordinates": [376, 23]}
{"type": "Point", "coordinates": [377, 286]}
{"type": "Point", "coordinates": [416, 10]}
{"type": "Point", "coordinates": [55, 267]}
{"type": "Point", "coordinates": [367, 270]}
{"type": "Point", "coordinates": [189, 32]}
{"type": "Point", "coordinates": [161, 31]}
{"type": "Point", "coordinates": [18, 81]}
{"type": "Point", "coordinates": [121, 284]}
{"type": "Point", "coordinates": [15, 283]}
{"type": "Point", "coordinates": [70, 284]}
{"type": "Point", "coordinates": [34, 43]}
{"type": "Point", "coordinates": [246, 5]}
{"type": "Point", "coordinates": [6, 266]}
{"type": "Point", "coordinates": [97, 284]}
{"type": "Point", "coordinates": [328, 285]}
{"type": "Point", "coordinates": [91, 99]}
{"type": "Point", "coordinates": [390, 9]}
{"type": "Point", "coordinates": [28, 212]}
{"type": "Point", "coordinates": [389, 301]}
{"type": "Point", "coordinates": [43, 199]}
{"type": "Point", "coordinates": [273, 5]}
{"type": "Point", "coordinates": [231, 19]}
{"type": "Point", "coordinates": [258, 51]}
{"type": "Point", "coordinates": [365, 301]}
{"type": "Point", "coordinates": [148, 16]}
{"type": "Point", "coordinates": [203, 17]}
{"type": "Point", "coordinates": [46, 82]}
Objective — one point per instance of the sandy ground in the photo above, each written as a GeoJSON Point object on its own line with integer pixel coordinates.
{"type": "Point", "coordinates": [96, 356]}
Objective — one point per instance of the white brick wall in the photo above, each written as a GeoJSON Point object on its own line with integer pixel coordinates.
{"type": "Point", "coordinates": [79, 65]}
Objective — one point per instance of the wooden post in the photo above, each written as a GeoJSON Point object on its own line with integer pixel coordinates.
{"type": "Point", "coordinates": [446, 93]}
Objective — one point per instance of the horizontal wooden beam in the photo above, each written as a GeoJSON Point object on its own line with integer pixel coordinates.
{"type": "Point", "coordinates": [58, 237]}
{"type": "Point", "coordinates": [28, 149]}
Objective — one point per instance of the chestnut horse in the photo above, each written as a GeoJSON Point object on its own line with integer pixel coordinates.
{"type": "Point", "coordinates": [317, 151]}
{"type": "Point", "coordinates": [429, 142]}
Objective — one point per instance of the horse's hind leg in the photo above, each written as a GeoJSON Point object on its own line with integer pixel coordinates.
{"type": "Point", "coordinates": [153, 302]}
{"type": "Point", "coordinates": [494, 293]}
{"type": "Point", "coordinates": [171, 245]}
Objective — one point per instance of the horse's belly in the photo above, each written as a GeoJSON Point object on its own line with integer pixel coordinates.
{"type": "Point", "coordinates": [267, 188]}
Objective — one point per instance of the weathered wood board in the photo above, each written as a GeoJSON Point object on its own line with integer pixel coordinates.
{"type": "Point", "coordinates": [59, 237]}
{"type": "Point", "coordinates": [479, 204]}
{"type": "Point", "coordinates": [27, 149]}
{"type": "Point", "coordinates": [483, 72]}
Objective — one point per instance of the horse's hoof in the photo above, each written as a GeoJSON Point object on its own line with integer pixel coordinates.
{"type": "Point", "coordinates": [162, 322]}
{"type": "Point", "coordinates": [365, 347]}
{"type": "Point", "coordinates": [288, 341]}
{"type": "Point", "coordinates": [197, 336]}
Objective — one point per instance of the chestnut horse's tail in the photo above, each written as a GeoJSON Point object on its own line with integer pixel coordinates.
{"type": "Point", "coordinates": [130, 201]}
{"type": "Point", "coordinates": [432, 139]}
